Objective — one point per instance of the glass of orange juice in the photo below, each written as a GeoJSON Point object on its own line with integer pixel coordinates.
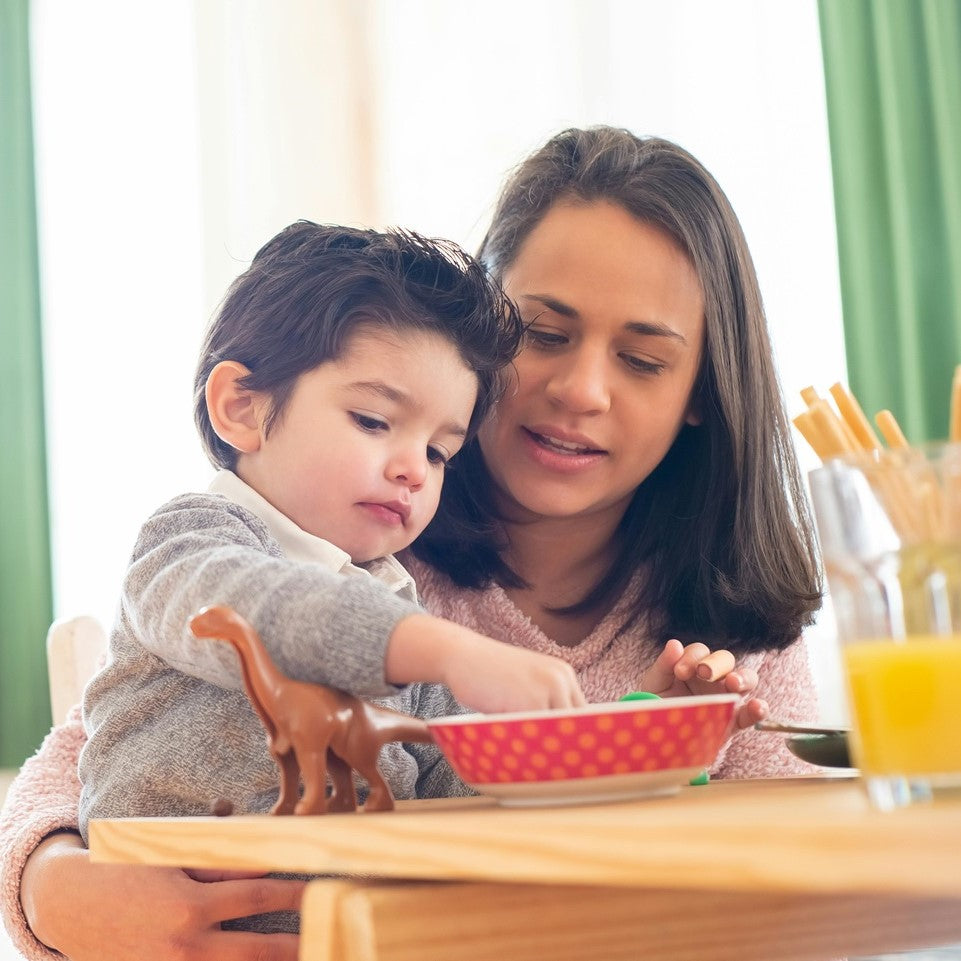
{"type": "Point", "coordinates": [889, 524]}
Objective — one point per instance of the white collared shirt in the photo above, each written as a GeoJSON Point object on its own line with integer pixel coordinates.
{"type": "Point", "coordinates": [298, 545]}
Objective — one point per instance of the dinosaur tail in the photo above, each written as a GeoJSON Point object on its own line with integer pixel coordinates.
{"type": "Point", "coordinates": [411, 729]}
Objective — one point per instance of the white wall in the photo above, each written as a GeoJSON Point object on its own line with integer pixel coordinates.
{"type": "Point", "coordinates": [171, 145]}
{"type": "Point", "coordinates": [120, 223]}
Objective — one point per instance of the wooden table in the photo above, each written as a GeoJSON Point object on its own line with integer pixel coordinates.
{"type": "Point", "coordinates": [787, 869]}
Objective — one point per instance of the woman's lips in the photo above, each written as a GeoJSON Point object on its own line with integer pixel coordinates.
{"type": "Point", "coordinates": [561, 452]}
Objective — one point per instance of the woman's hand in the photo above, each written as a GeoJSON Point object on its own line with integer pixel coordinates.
{"type": "Point", "coordinates": [112, 912]}
{"type": "Point", "coordinates": [694, 669]}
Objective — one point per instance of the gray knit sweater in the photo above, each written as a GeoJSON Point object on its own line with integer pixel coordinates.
{"type": "Point", "coordinates": [170, 728]}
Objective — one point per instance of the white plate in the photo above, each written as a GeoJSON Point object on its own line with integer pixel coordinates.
{"type": "Point", "coordinates": [590, 790]}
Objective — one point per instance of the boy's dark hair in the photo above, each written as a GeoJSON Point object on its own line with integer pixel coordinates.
{"type": "Point", "coordinates": [308, 288]}
{"type": "Point", "coordinates": [720, 529]}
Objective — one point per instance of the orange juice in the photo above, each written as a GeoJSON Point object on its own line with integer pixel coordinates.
{"type": "Point", "coordinates": [906, 704]}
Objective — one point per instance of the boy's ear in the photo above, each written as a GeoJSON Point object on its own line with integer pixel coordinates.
{"type": "Point", "coordinates": [236, 413]}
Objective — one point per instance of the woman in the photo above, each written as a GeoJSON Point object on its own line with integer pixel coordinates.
{"type": "Point", "coordinates": [637, 483]}
{"type": "Point", "coordinates": [641, 468]}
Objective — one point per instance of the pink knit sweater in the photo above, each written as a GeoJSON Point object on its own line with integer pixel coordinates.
{"type": "Point", "coordinates": [45, 795]}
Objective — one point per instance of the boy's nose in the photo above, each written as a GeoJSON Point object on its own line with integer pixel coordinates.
{"type": "Point", "coordinates": [409, 468]}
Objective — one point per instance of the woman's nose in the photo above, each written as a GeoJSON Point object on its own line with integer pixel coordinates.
{"type": "Point", "coordinates": [580, 382]}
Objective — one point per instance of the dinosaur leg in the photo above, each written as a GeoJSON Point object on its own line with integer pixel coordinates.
{"type": "Point", "coordinates": [343, 797]}
{"type": "Point", "coordinates": [380, 797]}
{"type": "Point", "coordinates": [313, 766]}
{"type": "Point", "coordinates": [289, 783]}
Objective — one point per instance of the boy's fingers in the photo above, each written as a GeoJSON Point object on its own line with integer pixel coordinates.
{"type": "Point", "coordinates": [575, 694]}
{"type": "Point", "coordinates": [715, 666]}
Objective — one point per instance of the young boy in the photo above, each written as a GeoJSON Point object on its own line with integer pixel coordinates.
{"type": "Point", "coordinates": [343, 371]}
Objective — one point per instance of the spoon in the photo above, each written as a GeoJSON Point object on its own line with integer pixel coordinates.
{"type": "Point", "coordinates": [799, 728]}
{"type": "Point", "coordinates": [815, 743]}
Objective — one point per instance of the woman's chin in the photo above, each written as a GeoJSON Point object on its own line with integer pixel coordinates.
{"type": "Point", "coordinates": [544, 504]}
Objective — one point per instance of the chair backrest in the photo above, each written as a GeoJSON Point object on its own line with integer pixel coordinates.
{"type": "Point", "coordinates": [74, 647]}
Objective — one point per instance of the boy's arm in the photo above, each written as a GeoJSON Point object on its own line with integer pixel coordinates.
{"type": "Point", "coordinates": [317, 625]}
{"type": "Point", "coordinates": [350, 632]}
{"type": "Point", "coordinates": [41, 800]}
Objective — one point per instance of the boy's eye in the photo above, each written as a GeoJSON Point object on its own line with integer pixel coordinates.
{"type": "Point", "coordinates": [368, 423]}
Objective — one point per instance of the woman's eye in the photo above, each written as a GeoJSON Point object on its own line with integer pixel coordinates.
{"type": "Point", "coordinates": [641, 366]}
{"type": "Point", "coordinates": [544, 338]}
{"type": "Point", "coordinates": [436, 456]}
{"type": "Point", "coordinates": [368, 423]}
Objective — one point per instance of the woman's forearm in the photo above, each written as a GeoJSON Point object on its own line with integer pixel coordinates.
{"type": "Point", "coordinates": [42, 800]}
{"type": "Point", "coordinates": [112, 912]}
{"type": "Point", "coordinates": [51, 870]}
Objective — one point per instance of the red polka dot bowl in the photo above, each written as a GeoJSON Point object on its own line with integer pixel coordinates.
{"type": "Point", "coordinates": [601, 752]}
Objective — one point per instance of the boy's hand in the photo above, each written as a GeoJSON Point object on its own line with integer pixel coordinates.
{"type": "Point", "coordinates": [499, 677]}
{"type": "Point", "coordinates": [483, 674]}
{"type": "Point", "coordinates": [680, 671]}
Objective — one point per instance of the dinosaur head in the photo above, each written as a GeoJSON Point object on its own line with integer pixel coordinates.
{"type": "Point", "coordinates": [218, 622]}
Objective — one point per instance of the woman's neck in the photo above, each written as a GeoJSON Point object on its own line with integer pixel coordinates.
{"type": "Point", "coordinates": [561, 560]}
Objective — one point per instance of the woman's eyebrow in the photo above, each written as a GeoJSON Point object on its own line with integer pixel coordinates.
{"type": "Point", "coordinates": [646, 328]}
{"type": "Point", "coordinates": [650, 328]}
{"type": "Point", "coordinates": [552, 303]}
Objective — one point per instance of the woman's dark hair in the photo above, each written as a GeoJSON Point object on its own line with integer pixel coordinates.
{"type": "Point", "coordinates": [307, 290]}
{"type": "Point", "coordinates": [721, 528]}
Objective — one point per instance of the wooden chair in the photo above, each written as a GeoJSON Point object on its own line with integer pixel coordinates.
{"type": "Point", "coordinates": [74, 648]}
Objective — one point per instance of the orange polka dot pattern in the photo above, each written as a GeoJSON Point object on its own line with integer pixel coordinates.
{"type": "Point", "coordinates": [585, 745]}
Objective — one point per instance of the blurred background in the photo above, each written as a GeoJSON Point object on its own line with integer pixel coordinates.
{"type": "Point", "coordinates": [150, 148]}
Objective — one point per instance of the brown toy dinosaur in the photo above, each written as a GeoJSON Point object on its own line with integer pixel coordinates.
{"type": "Point", "coordinates": [312, 728]}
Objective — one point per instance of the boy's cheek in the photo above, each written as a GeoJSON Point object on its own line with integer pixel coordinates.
{"type": "Point", "coordinates": [428, 506]}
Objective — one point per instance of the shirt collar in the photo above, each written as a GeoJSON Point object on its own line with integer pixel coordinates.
{"type": "Point", "coordinates": [298, 545]}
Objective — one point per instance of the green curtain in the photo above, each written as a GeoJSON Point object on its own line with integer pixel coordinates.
{"type": "Point", "coordinates": [25, 581]}
{"type": "Point", "coordinates": [893, 81]}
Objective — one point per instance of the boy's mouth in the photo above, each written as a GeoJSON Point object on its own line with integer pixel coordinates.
{"type": "Point", "coordinates": [389, 510]}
